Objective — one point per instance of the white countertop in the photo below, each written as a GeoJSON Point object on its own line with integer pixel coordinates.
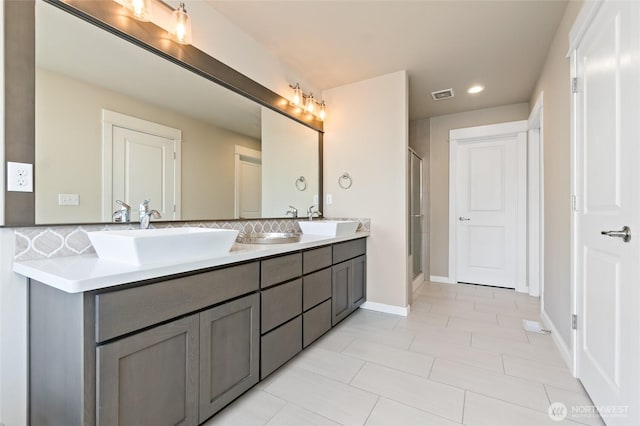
{"type": "Point", "coordinates": [76, 274]}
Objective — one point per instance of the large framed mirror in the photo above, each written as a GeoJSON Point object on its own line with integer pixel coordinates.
{"type": "Point", "coordinates": [121, 116]}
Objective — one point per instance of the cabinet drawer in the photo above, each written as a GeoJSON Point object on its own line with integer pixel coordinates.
{"type": "Point", "coordinates": [349, 250]}
{"type": "Point", "coordinates": [316, 288]}
{"type": "Point", "coordinates": [313, 260]}
{"type": "Point", "coordinates": [279, 346]}
{"type": "Point", "coordinates": [281, 269]}
{"type": "Point", "coordinates": [316, 322]}
{"type": "Point", "coordinates": [280, 304]}
{"type": "Point", "coordinates": [123, 311]}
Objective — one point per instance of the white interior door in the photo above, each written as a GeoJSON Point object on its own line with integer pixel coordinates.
{"type": "Point", "coordinates": [248, 185]}
{"type": "Point", "coordinates": [144, 167]}
{"type": "Point", "coordinates": [489, 205]}
{"type": "Point", "coordinates": [607, 111]}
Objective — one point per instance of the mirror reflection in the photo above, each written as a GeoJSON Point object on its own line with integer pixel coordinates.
{"type": "Point", "coordinates": [116, 122]}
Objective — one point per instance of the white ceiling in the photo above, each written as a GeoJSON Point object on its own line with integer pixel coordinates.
{"type": "Point", "coordinates": [442, 44]}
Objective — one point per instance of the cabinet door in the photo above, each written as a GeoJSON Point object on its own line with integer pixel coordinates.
{"type": "Point", "coordinates": [229, 351]}
{"type": "Point", "coordinates": [359, 282]}
{"type": "Point", "coordinates": [150, 378]}
{"type": "Point", "coordinates": [340, 291]}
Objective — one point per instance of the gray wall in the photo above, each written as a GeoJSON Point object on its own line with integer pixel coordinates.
{"type": "Point", "coordinates": [439, 172]}
{"type": "Point", "coordinates": [554, 82]}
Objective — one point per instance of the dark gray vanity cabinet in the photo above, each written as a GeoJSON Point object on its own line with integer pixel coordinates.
{"type": "Point", "coordinates": [348, 278]}
{"type": "Point", "coordinates": [176, 350]}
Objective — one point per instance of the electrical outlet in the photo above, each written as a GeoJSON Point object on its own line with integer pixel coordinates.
{"type": "Point", "coordinates": [68, 200]}
{"type": "Point", "coordinates": [329, 199]}
{"type": "Point", "coordinates": [315, 199]}
{"type": "Point", "coordinates": [19, 177]}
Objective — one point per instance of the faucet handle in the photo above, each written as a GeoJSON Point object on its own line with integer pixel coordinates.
{"type": "Point", "coordinates": [123, 204]}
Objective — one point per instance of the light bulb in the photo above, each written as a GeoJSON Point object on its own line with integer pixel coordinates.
{"type": "Point", "coordinates": [182, 25]}
{"type": "Point", "coordinates": [323, 111]}
{"type": "Point", "coordinates": [311, 104]}
{"type": "Point", "coordinates": [297, 95]}
{"type": "Point", "coordinates": [139, 9]}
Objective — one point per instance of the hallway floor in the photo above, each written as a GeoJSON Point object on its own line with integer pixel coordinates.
{"type": "Point", "coordinates": [460, 357]}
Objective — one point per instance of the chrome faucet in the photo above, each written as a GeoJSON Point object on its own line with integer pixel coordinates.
{"type": "Point", "coordinates": [145, 214]}
{"type": "Point", "coordinates": [293, 212]}
{"type": "Point", "coordinates": [313, 213]}
{"type": "Point", "coordinates": [123, 214]}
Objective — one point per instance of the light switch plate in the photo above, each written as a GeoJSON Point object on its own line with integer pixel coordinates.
{"type": "Point", "coordinates": [19, 177]}
{"type": "Point", "coordinates": [68, 200]}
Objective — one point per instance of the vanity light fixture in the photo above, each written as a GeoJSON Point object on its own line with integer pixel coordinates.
{"type": "Point", "coordinates": [308, 103]}
{"type": "Point", "coordinates": [475, 89]}
{"type": "Point", "coordinates": [139, 9]}
{"type": "Point", "coordinates": [181, 30]}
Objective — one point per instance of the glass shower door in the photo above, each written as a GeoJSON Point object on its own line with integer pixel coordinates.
{"type": "Point", "coordinates": [416, 215]}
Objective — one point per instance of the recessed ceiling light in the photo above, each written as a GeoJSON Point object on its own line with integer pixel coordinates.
{"type": "Point", "coordinates": [475, 89]}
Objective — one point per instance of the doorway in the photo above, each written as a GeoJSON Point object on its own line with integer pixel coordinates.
{"type": "Point", "coordinates": [487, 205]}
{"type": "Point", "coordinates": [248, 183]}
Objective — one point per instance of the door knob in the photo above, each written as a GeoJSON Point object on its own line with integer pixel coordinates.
{"type": "Point", "coordinates": [463, 219]}
{"type": "Point", "coordinates": [625, 234]}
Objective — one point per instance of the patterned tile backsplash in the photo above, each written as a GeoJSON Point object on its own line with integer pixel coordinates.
{"type": "Point", "coordinates": [70, 240]}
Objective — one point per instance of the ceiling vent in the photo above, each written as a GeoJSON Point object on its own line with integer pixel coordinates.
{"type": "Point", "coordinates": [442, 94]}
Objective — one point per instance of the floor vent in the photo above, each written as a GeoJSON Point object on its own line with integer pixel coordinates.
{"type": "Point", "coordinates": [442, 94]}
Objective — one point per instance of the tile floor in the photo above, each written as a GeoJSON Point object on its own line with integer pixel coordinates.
{"type": "Point", "coordinates": [460, 357]}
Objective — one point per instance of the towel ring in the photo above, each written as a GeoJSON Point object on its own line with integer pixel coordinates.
{"type": "Point", "coordinates": [301, 183]}
{"type": "Point", "coordinates": [345, 181]}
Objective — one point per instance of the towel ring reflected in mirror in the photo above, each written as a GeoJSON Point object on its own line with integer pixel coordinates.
{"type": "Point", "coordinates": [301, 183]}
{"type": "Point", "coordinates": [345, 181]}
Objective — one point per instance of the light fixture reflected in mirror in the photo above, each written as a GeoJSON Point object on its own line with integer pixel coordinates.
{"type": "Point", "coordinates": [139, 9]}
{"type": "Point", "coordinates": [308, 103]}
{"type": "Point", "coordinates": [181, 30]}
{"type": "Point", "coordinates": [179, 27]}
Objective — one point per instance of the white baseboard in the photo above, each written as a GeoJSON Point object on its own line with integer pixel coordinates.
{"type": "Point", "coordinates": [438, 279]}
{"type": "Point", "coordinates": [389, 309]}
{"type": "Point", "coordinates": [562, 346]}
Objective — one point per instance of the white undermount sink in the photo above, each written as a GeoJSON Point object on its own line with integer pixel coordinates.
{"type": "Point", "coordinates": [331, 228]}
{"type": "Point", "coordinates": [164, 245]}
